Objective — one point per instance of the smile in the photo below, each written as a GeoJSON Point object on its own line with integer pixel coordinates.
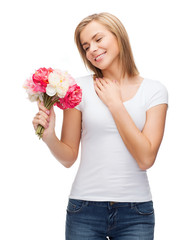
{"type": "Point", "coordinates": [99, 57]}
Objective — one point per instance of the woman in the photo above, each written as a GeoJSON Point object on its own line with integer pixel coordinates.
{"type": "Point", "coordinates": [120, 122]}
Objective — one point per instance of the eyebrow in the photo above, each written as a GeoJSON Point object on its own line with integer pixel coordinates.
{"type": "Point", "coordinates": [92, 38]}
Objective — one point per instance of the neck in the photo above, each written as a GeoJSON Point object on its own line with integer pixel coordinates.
{"type": "Point", "coordinates": [114, 72]}
{"type": "Point", "coordinates": [116, 75]}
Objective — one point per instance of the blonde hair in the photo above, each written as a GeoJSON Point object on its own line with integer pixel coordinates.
{"type": "Point", "coordinates": [114, 25]}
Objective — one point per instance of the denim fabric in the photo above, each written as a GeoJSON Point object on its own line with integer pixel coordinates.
{"type": "Point", "coordinates": [107, 220]}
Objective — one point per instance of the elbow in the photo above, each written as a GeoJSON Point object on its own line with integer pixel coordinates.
{"type": "Point", "coordinates": [144, 166]}
{"type": "Point", "coordinates": [67, 165]}
{"type": "Point", "coordinates": [70, 163]}
{"type": "Point", "coordinates": [146, 163]}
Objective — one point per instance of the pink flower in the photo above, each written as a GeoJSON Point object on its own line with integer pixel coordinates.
{"type": "Point", "coordinates": [71, 99]}
{"type": "Point", "coordinates": [29, 85]}
{"type": "Point", "coordinates": [32, 90]}
{"type": "Point", "coordinates": [40, 78]}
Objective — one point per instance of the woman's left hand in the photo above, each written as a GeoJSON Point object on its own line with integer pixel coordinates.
{"type": "Point", "coordinates": [108, 91]}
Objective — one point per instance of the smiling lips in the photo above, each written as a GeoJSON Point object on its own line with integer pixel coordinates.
{"type": "Point", "coordinates": [99, 57]}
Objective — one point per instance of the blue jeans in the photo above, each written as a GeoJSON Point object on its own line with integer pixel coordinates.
{"type": "Point", "coordinates": [89, 220]}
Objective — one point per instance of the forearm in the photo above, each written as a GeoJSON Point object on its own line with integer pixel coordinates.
{"type": "Point", "coordinates": [136, 142]}
{"type": "Point", "coordinates": [62, 152]}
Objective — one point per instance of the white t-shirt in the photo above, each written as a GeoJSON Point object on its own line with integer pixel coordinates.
{"type": "Point", "coordinates": [107, 170]}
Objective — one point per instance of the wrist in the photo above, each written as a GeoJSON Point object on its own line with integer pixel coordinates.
{"type": "Point", "coordinates": [49, 138]}
{"type": "Point", "coordinates": [115, 105]}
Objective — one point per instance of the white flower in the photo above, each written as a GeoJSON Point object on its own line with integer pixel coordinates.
{"type": "Point", "coordinates": [62, 89]}
{"type": "Point", "coordinates": [33, 96]}
{"type": "Point", "coordinates": [50, 90]}
{"type": "Point", "coordinates": [55, 78]}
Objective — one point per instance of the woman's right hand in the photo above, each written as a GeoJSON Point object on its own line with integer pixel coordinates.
{"type": "Point", "coordinates": [46, 118]}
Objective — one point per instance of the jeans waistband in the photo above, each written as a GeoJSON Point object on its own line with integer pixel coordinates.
{"type": "Point", "coordinates": [108, 203]}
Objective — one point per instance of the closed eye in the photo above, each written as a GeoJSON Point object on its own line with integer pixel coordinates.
{"type": "Point", "coordinates": [99, 39]}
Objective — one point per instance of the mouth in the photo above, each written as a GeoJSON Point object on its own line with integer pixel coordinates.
{"type": "Point", "coordinates": [99, 57]}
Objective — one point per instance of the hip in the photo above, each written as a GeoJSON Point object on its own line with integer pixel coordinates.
{"type": "Point", "coordinates": [110, 218]}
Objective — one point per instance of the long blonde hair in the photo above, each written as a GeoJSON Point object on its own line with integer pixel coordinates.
{"type": "Point", "coordinates": [114, 25]}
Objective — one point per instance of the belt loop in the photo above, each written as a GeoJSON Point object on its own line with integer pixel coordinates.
{"type": "Point", "coordinates": [133, 204]}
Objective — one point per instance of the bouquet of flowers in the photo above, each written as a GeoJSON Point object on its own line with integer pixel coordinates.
{"type": "Point", "coordinates": [53, 87]}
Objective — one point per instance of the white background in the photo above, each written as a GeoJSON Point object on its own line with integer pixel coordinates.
{"type": "Point", "coordinates": [34, 187]}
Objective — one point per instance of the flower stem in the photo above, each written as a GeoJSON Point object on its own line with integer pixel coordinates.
{"type": "Point", "coordinates": [48, 103]}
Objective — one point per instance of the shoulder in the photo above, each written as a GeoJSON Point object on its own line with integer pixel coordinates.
{"type": "Point", "coordinates": [84, 80]}
{"type": "Point", "coordinates": [84, 83]}
{"type": "Point", "coordinates": [154, 85]}
{"type": "Point", "coordinates": [155, 92]}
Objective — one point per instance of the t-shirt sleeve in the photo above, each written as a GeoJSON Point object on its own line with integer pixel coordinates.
{"type": "Point", "coordinates": [80, 106]}
{"type": "Point", "coordinates": [158, 94]}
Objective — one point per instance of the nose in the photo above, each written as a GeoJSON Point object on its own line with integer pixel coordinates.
{"type": "Point", "coordinates": [93, 47]}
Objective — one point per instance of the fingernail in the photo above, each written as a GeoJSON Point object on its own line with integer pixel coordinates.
{"type": "Point", "coordinates": [47, 112]}
{"type": "Point", "coordinates": [97, 79]}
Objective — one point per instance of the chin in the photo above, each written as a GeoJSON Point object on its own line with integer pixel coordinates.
{"type": "Point", "coordinates": [102, 66]}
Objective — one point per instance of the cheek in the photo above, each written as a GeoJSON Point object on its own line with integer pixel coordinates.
{"type": "Point", "coordinates": [89, 58]}
{"type": "Point", "coordinates": [113, 45]}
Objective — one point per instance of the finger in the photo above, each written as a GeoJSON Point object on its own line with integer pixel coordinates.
{"type": "Point", "coordinates": [99, 84]}
{"type": "Point", "coordinates": [44, 115]}
{"type": "Point", "coordinates": [43, 108]}
{"type": "Point", "coordinates": [36, 121]}
{"type": "Point", "coordinates": [102, 81]}
{"type": "Point", "coordinates": [115, 82]}
{"type": "Point", "coordinates": [96, 88]}
{"type": "Point", "coordinates": [46, 118]}
{"type": "Point", "coordinates": [35, 125]}
{"type": "Point", "coordinates": [106, 80]}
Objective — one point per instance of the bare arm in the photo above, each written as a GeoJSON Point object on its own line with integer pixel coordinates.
{"type": "Point", "coordinates": [142, 145]}
{"type": "Point", "coordinates": [64, 150]}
